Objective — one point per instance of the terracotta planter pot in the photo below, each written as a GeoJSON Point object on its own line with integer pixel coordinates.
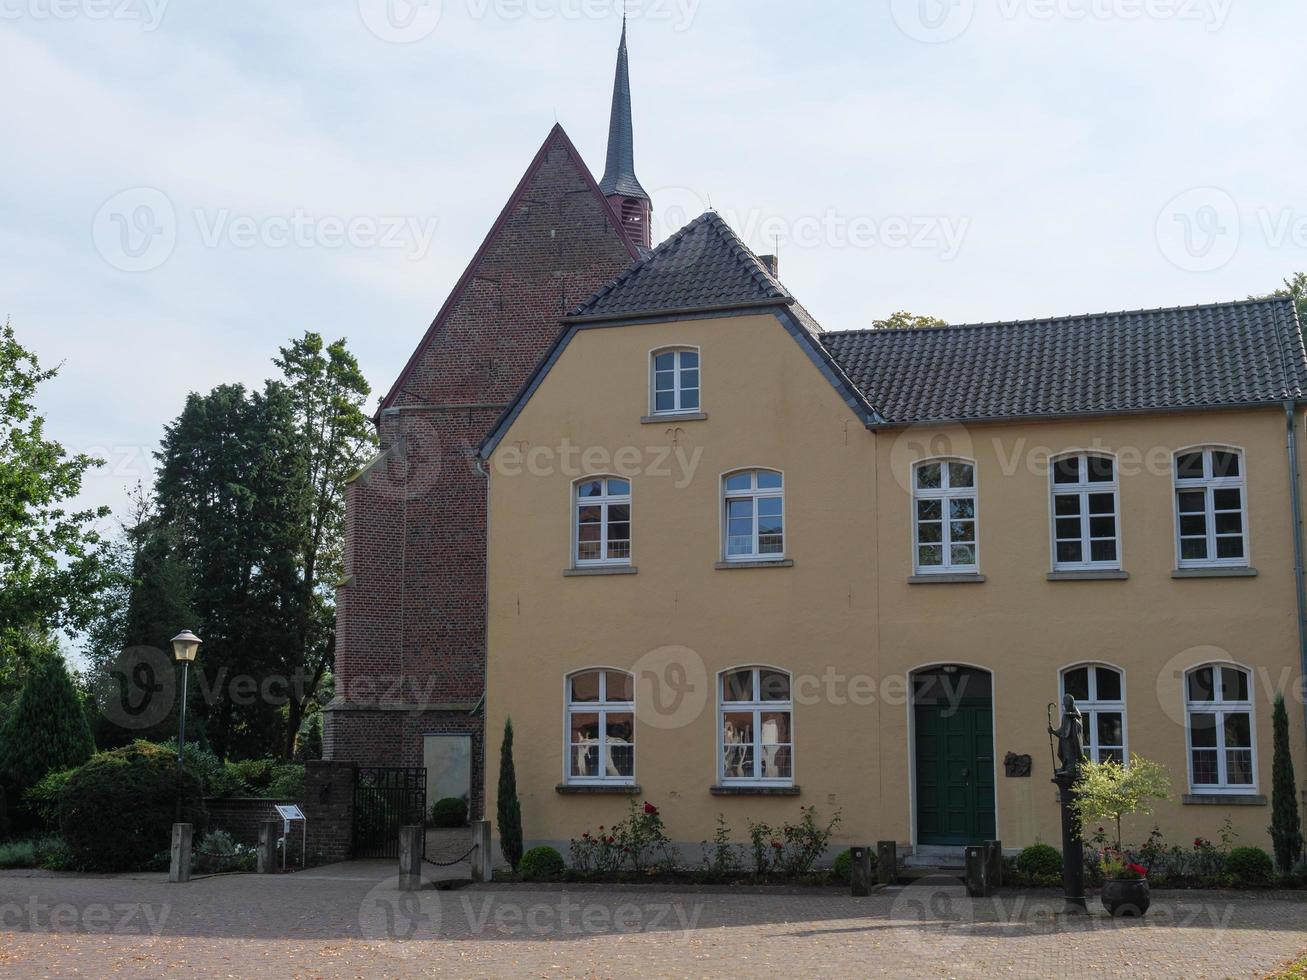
{"type": "Point", "coordinates": [1126, 899]}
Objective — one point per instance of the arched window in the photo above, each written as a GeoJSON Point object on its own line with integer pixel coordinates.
{"type": "Point", "coordinates": [1086, 533]}
{"type": "Point", "coordinates": [755, 722]}
{"type": "Point", "coordinates": [754, 515]}
{"type": "Point", "coordinates": [1211, 521]}
{"type": "Point", "coordinates": [945, 516]}
{"type": "Point", "coordinates": [600, 726]}
{"type": "Point", "coordinates": [674, 383]}
{"type": "Point", "coordinates": [602, 511]}
{"type": "Point", "coordinates": [1222, 751]}
{"type": "Point", "coordinates": [1099, 691]}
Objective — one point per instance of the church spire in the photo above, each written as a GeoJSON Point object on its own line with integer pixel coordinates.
{"type": "Point", "coordinates": [619, 183]}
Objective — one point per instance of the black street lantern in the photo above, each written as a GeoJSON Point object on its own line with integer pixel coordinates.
{"type": "Point", "coordinates": [185, 646]}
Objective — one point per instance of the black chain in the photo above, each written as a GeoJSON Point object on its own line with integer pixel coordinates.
{"type": "Point", "coordinates": [446, 864]}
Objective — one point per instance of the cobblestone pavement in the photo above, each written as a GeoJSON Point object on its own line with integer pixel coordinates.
{"type": "Point", "coordinates": [350, 920]}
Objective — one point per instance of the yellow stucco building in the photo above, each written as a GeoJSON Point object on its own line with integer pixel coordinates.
{"type": "Point", "coordinates": [738, 565]}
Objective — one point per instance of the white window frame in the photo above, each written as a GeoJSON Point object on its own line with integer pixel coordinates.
{"type": "Point", "coordinates": [758, 707]}
{"type": "Point", "coordinates": [1220, 708]}
{"type": "Point", "coordinates": [946, 494]}
{"type": "Point", "coordinates": [602, 708]}
{"type": "Point", "coordinates": [1209, 484]}
{"type": "Point", "coordinates": [1095, 705]}
{"type": "Point", "coordinates": [1084, 489]}
{"type": "Point", "coordinates": [678, 387]}
{"type": "Point", "coordinates": [603, 502]}
{"type": "Point", "coordinates": [754, 494]}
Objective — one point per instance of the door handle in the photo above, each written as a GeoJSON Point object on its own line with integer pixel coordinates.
{"type": "Point", "coordinates": [966, 775]}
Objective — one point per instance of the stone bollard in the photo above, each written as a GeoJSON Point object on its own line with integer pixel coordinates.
{"type": "Point", "coordinates": [482, 866]}
{"type": "Point", "coordinates": [269, 831]}
{"type": "Point", "coordinates": [887, 862]}
{"type": "Point", "coordinates": [994, 863]}
{"type": "Point", "coordinates": [410, 858]}
{"type": "Point", "coordinates": [179, 867]}
{"type": "Point", "coordinates": [977, 878]}
{"type": "Point", "coordinates": [860, 877]}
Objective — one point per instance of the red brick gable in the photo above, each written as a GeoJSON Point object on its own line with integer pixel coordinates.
{"type": "Point", "coordinates": [410, 615]}
{"type": "Point", "coordinates": [555, 242]}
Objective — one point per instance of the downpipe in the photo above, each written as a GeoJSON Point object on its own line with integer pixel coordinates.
{"type": "Point", "coordinates": [1295, 497]}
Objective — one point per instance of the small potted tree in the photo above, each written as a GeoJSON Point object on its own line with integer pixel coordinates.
{"type": "Point", "coordinates": [1110, 791]}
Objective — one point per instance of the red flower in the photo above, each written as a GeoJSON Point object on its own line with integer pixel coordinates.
{"type": "Point", "coordinates": [650, 809]}
{"type": "Point", "coordinates": [609, 840]}
{"type": "Point", "coordinates": [586, 835]}
{"type": "Point", "coordinates": [1138, 869]}
{"type": "Point", "coordinates": [776, 844]}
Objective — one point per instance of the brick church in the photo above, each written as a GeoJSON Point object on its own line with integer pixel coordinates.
{"type": "Point", "coordinates": [411, 610]}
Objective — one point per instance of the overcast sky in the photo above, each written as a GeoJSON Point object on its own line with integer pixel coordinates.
{"type": "Point", "coordinates": [186, 184]}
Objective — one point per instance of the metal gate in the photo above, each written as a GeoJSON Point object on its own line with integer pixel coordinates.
{"type": "Point", "coordinates": [385, 799]}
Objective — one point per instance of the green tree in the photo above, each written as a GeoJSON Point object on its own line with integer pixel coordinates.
{"type": "Point", "coordinates": [508, 806]}
{"type": "Point", "coordinates": [1286, 831]}
{"type": "Point", "coordinates": [47, 729]}
{"type": "Point", "coordinates": [228, 492]}
{"type": "Point", "coordinates": [50, 558]}
{"type": "Point", "coordinates": [1294, 288]}
{"type": "Point", "coordinates": [1109, 791]}
{"type": "Point", "coordinates": [327, 394]}
{"type": "Point", "coordinates": [903, 320]}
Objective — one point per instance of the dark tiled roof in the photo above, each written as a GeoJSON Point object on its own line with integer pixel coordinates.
{"type": "Point", "coordinates": [702, 266]}
{"type": "Point", "coordinates": [1230, 354]}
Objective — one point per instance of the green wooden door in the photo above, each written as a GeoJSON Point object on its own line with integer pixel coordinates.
{"type": "Point", "coordinates": [955, 773]}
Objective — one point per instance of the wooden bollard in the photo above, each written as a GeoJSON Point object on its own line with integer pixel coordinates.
{"type": "Point", "coordinates": [976, 874]}
{"type": "Point", "coordinates": [887, 861]}
{"type": "Point", "coordinates": [861, 872]}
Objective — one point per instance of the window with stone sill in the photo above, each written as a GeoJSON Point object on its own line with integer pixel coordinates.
{"type": "Point", "coordinates": [755, 727]}
{"type": "Point", "coordinates": [602, 522]}
{"type": "Point", "coordinates": [600, 745]}
{"type": "Point", "coordinates": [944, 517]}
{"type": "Point", "coordinates": [1221, 734]}
{"type": "Point", "coordinates": [1211, 519]}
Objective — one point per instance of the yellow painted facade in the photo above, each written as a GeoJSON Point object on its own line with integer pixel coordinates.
{"type": "Point", "coordinates": [844, 619]}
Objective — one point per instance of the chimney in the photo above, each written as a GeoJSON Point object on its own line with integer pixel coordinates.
{"type": "Point", "coordinates": [772, 263]}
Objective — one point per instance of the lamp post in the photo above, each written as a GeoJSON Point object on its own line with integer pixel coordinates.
{"type": "Point", "coordinates": [185, 645]}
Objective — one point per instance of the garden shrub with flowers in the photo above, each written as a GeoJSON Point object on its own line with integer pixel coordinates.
{"type": "Point", "coordinates": [638, 846]}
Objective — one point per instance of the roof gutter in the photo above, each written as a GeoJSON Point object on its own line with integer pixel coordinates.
{"type": "Point", "coordinates": [1295, 496]}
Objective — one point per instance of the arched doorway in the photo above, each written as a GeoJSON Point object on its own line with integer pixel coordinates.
{"type": "Point", "coordinates": [953, 755]}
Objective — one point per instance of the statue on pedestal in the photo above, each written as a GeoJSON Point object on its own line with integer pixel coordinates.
{"type": "Point", "coordinates": [1070, 736]}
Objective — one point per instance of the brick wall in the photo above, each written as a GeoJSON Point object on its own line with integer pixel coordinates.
{"type": "Point", "coordinates": [328, 805]}
{"type": "Point", "coordinates": [410, 628]}
{"type": "Point", "coordinates": [241, 816]}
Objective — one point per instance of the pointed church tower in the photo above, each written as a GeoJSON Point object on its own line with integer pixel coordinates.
{"type": "Point", "coordinates": [619, 183]}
